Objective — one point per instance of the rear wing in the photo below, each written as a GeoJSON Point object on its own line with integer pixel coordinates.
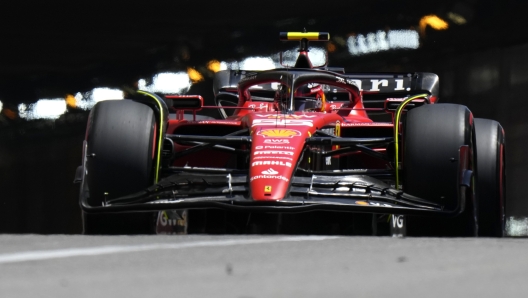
{"type": "Point", "coordinates": [372, 85]}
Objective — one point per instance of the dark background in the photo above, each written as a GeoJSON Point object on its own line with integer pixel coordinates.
{"type": "Point", "coordinates": [50, 49]}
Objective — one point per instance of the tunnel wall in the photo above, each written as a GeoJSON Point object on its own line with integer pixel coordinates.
{"type": "Point", "coordinates": [38, 158]}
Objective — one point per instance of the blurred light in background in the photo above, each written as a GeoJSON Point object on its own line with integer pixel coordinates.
{"type": "Point", "coordinates": [43, 109]}
{"type": "Point", "coordinates": [71, 101]}
{"type": "Point", "coordinates": [214, 65]}
{"type": "Point", "coordinates": [99, 94]}
{"type": "Point", "coordinates": [1, 106]}
{"type": "Point", "coordinates": [317, 57]}
{"type": "Point", "coordinates": [229, 65]}
{"type": "Point", "coordinates": [167, 82]}
{"type": "Point", "coordinates": [517, 226]}
{"type": "Point", "coordinates": [383, 41]}
{"type": "Point", "coordinates": [403, 39]}
{"type": "Point", "coordinates": [194, 75]}
{"type": "Point", "coordinates": [257, 63]}
{"type": "Point", "coordinates": [434, 22]}
{"type": "Point", "coordinates": [456, 18]}
{"type": "Point", "coordinates": [250, 63]}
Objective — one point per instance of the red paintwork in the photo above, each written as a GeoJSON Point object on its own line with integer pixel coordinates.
{"type": "Point", "coordinates": [278, 139]}
{"type": "Point", "coordinates": [277, 142]}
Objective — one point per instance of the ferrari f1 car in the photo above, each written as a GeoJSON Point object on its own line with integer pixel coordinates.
{"type": "Point", "coordinates": [303, 149]}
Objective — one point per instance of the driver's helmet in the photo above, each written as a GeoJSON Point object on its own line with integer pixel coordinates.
{"type": "Point", "coordinates": [310, 97]}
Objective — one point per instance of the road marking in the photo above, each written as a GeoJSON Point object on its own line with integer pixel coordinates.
{"type": "Point", "coordinates": [40, 255]}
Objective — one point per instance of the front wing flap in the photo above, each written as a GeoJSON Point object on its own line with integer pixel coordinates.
{"type": "Point", "coordinates": [353, 193]}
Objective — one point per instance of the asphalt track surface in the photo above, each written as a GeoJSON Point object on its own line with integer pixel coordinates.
{"type": "Point", "coordinates": [261, 266]}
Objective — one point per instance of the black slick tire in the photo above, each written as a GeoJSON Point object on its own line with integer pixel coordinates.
{"type": "Point", "coordinates": [432, 137]}
{"type": "Point", "coordinates": [119, 151]}
{"type": "Point", "coordinates": [491, 181]}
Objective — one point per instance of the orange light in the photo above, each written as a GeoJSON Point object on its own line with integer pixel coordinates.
{"type": "Point", "coordinates": [434, 22]}
{"type": "Point", "coordinates": [331, 47]}
{"type": "Point", "coordinates": [9, 114]}
{"type": "Point", "coordinates": [194, 75]}
{"type": "Point", "coordinates": [71, 101]}
{"type": "Point", "coordinates": [213, 65]}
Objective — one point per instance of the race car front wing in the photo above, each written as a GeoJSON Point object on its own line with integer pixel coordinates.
{"type": "Point", "coordinates": [191, 188]}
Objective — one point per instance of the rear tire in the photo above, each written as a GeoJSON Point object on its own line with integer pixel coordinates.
{"type": "Point", "coordinates": [119, 149]}
{"type": "Point", "coordinates": [432, 136]}
{"type": "Point", "coordinates": [491, 177]}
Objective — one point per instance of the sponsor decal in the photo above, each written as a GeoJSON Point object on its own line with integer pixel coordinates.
{"type": "Point", "coordinates": [281, 116]}
{"type": "Point", "coordinates": [282, 122]}
{"type": "Point", "coordinates": [218, 122]}
{"type": "Point", "coordinates": [272, 163]}
{"type": "Point", "coordinates": [364, 203]}
{"type": "Point", "coordinates": [376, 85]}
{"type": "Point", "coordinates": [336, 106]}
{"type": "Point", "coordinates": [273, 152]}
{"type": "Point", "coordinates": [274, 147]}
{"type": "Point", "coordinates": [272, 157]}
{"type": "Point", "coordinates": [387, 124]}
{"type": "Point", "coordinates": [249, 76]}
{"type": "Point", "coordinates": [397, 221]}
{"type": "Point", "coordinates": [278, 133]}
{"type": "Point", "coordinates": [269, 177]}
{"type": "Point", "coordinates": [262, 105]}
{"type": "Point", "coordinates": [172, 222]}
{"type": "Point", "coordinates": [276, 141]}
{"type": "Point", "coordinates": [270, 171]}
{"type": "Point", "coordinates": [267, 188]}
{"type": "Point", "coordinates": [279, 147]}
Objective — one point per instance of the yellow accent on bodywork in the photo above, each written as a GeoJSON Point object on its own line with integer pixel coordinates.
{"type": "Point", "coordinates": [160, 135]}
{"type": "Point", "coordinates": [301, 35]}
{"type": "Point", "coordinates": [397, 116]}
{"type": "Point", "coordinates": [306, 35]}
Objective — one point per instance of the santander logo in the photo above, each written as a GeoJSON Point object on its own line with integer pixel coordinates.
{"type": "Point", "coordinates": [270, 171]}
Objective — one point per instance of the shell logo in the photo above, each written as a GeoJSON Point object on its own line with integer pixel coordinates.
{"type": "Point", "coordinates": [279, 133]}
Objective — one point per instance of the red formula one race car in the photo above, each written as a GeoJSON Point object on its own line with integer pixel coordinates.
{"type": "Point", "coordinates": [296, 150]}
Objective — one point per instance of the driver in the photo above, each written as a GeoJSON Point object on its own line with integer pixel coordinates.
{"type": "Point", "coordinates": [308, 97]}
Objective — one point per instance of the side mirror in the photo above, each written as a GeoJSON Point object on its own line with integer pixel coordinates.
{"type": "Point", "coordinates": [226, 102]}
{"type": "Point", "coordinates": [185, 102]}
{"type": "Point", "coordinates": [182, 103]}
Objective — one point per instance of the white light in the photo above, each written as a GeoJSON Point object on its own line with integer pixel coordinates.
{"type": "Point", "coordinates": [82, 103]}
{"type": "Point", "coordinates": [257, 63]}
{"type": "Point", "coordinates": [517, 226]}
{"type": "Point", "coordinates": [100, 94]}
{"type": "Point", "coordinates": [404, 39]}
{"type": "Point", "coordinates": [229, 65]}
{"type": "Point", "coordinates": [43, 109]}
{"type": "Point", "coordinates": [1, 106]}
{"type": "Point", "coordinates": [381, 41]}
{"type": "Point", "coordinates": [167, 83]}
{"type": "Point", "coordinates": [317, 57]}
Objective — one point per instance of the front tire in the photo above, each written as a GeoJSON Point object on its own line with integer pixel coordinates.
{"type": "Point", "coordinates": [433, 135]}
{"type": "Point", "coordinates": [119, 160]}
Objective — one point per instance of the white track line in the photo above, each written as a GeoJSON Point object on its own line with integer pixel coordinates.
{"type": "Point", "coordinates": [39, 255]}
